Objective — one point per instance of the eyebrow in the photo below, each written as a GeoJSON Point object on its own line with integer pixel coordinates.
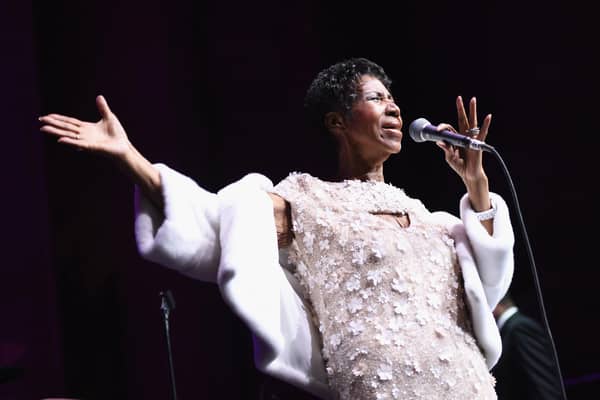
{"type": "Point", "coordinates": [378, 92]}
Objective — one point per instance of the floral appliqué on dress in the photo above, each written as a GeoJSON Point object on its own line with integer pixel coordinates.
{"type": "Point", "coordinates": [388, 301]}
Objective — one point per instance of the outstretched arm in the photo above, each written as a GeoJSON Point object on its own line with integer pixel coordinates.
{"type": "Point", "coordinates": [107, 137]}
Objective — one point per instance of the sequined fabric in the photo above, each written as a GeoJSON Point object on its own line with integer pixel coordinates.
{"type": "Point", "coordinates": [388, 300]}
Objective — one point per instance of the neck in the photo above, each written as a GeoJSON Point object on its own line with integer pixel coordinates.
{"type": "Point", "coordinates": [353, 167]}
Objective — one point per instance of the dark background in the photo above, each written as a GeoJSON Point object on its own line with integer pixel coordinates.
{"type": "Point", "coordinates": [215, 90]}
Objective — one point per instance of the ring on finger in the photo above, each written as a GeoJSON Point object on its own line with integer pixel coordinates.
{"type": "Point", "coordinates": [473, 131]}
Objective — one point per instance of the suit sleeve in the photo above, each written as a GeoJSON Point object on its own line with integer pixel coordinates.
{"type": "Point", "coordinates": [531, 349]}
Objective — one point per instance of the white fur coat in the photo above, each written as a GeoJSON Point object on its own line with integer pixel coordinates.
{"type": "Point", "coordinates": [229, 238]}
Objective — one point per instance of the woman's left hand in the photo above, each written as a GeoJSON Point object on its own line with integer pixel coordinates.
{"type": "Point", "coordinates": [466, 163]}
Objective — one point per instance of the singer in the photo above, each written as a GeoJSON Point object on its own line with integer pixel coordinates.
{"type": "Point", "coordinates": [352, 289]}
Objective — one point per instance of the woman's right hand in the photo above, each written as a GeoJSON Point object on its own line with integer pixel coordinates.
{"type": "Point", "coordinates": [106, 136]}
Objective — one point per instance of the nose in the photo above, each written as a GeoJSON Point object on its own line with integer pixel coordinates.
{"type": "Point", "coordinates": [392, 109]}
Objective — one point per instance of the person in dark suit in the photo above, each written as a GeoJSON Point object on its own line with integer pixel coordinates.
{"type": "Point", "coordinates": [526, 369]}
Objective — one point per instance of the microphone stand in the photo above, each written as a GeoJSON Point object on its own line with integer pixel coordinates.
{"type": "Point", "coordinates": [167, 304]}
{"type": "Point", "coordinates": [492, 150]}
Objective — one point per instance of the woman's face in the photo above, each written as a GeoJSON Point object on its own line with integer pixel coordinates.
{"type": "Point", "coordinates": [374, 126]}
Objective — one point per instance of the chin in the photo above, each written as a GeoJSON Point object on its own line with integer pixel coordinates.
{"type": "Point", "coordinates": [394, 146]}
{"type": "Point", "coordinates": [390, 151]}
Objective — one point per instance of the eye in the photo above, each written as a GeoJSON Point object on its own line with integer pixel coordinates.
{"type": "Point", "coordinates": [375, 97]}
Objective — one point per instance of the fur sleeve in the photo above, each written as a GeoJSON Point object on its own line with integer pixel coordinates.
{"type": "Point", "coordinates": [493, 253]}
{"type": "Point", "coordinates": [487, 267]}
{"type": "Point", "coordinates": [259, 290]}
{"type": "Point", "coordinates": [184, 235]}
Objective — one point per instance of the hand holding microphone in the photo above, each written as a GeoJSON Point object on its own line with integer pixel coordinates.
{"type": "Point", "coordinates": [463, 153]}
{"type": "Point", "coordinates": [421, 130]}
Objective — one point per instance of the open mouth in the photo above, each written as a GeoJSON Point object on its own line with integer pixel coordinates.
{"type": "Point", "coordinates": [392, 125]}
{"type": "Point", "coordinates": [395, 129]}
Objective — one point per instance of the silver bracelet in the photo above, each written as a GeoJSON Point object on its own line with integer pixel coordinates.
{"type": "Point", "coordinates": [487, 214]}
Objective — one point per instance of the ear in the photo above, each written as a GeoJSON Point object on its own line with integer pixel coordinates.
{"type": "Point", "coordinates": [334, 122]}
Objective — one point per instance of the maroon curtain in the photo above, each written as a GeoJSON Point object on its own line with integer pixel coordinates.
{"type": "Point", "coordinates": [215, 91]}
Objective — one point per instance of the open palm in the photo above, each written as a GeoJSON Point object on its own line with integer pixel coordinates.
{"type": "Point", "coordinates": [106, 136]}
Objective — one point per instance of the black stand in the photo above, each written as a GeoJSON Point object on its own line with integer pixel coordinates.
{"type": "Point", "coordinates": [166, 305]}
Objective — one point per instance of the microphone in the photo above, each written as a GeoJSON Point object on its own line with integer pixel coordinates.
{"type": "Point", "coordinates": [421, 130]}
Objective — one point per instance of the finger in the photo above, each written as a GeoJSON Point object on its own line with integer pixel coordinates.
{"type": "Point", "coordinates": [452, 155]}
{"type": "Point", "coordinates": [63, 118]}
{"type": "Point", "coordinates": [449, 150]}
{"type": "Point", "coordinates": [102, 106]}
{"type": "Point", "coordinates": [442, 145]}
{"type": "Point", "coordinates": [485, 127]}
{"type": "Point", "coordinates": [61, 123]}
{"type": "Point", "coordinates": [463, 122]}
{"type": "Point", "coordinates": [444, 126]}
{"type": "Point", "coordinates": [473, 113]}
{"type": "Point", "coordinates": [59, 132]}
{"type": "Point", "coordinates": [455, 154]}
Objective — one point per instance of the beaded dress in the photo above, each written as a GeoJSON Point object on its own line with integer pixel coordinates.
{"type": "Point", "coordinates": [388, 300]}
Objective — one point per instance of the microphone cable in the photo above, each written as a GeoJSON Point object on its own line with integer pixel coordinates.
{"type": "Point", "coordinates": [491, 149]}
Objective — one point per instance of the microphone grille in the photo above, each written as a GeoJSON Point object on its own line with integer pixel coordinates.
{"type": "Point", "coordinates": [416, 129]}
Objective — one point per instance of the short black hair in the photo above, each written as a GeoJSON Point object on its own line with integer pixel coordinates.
{"type": "Point", "coordinates": [336, 89]}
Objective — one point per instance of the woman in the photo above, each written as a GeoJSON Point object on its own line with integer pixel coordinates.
{"type": "Point", "coordinates": [377, 297]}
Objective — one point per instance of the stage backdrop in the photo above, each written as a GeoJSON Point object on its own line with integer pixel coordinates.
{"type": "Point", "coordinates": [215, 90]}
